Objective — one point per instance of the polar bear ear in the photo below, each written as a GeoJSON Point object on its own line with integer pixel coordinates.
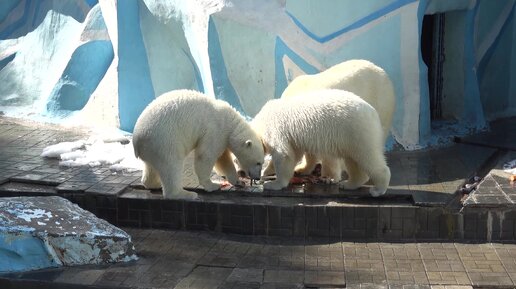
{"type": "Point", "coordinates": [248, 143]}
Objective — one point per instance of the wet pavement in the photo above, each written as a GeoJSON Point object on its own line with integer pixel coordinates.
{"type": "Point", "coordinates": [178, 259]}
{"type": "Point", "coordinates": [319, 256]}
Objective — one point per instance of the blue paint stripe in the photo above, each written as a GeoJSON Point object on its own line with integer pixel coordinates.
{"type": "Point", "coordinates": [489, 53]}
{"type": "Point", "coordinates": [6, 60]}
{"type": "Point", "coordinates": [92, 3]}
{"type": "Point", "coordinates": [282, 49]}
{"type": "Point", "coordinates": [359, 23]}
{"type": "Point", "coordinates": [18, 23]}
{"type": "Point", "coordinates": [222, 86]}
{"type": "Point", "coordinates": [36, 10]}
{"type": "Point", "coordinates": [198, 78]}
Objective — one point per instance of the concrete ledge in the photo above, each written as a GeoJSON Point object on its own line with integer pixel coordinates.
{"type": "Point", "coordinates": [42, 232]}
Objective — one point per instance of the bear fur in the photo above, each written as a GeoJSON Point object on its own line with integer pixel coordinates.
{"type": "Point", "coordinates": [330, 123]}
{"type": "Point", "coordinates": [181, 121]}
{"type": "Point", "coordinates": [360, 77]}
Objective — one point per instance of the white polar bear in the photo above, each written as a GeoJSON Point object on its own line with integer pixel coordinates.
{"type": "Point", "coordinates": [328, 123]}
{"type": "Point", "coordinates": [180, 121]}
{"type": "Point", "coordinates": [358, 76]}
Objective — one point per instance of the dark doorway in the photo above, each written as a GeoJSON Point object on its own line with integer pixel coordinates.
{"type": "Point", "coordinates": [432, 50]}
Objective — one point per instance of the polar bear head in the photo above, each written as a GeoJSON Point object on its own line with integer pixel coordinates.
{"type": "Point", "coordinates": [247, 147]}
{"type": "Point", "coordinates": [249, 158]}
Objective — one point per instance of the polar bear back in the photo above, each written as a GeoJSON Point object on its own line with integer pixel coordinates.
{"type": "Point", "coordinates": [311, 120]}
{"type": "Point", "coordinates": [186, 116]}
{"type": "Point", "coordinates": [358, 76]}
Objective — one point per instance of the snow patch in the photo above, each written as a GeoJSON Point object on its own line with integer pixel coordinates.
{"type": "Point", "coordinates": [111, 148]}
{"type": "Point", "coordinates": [29, 214]}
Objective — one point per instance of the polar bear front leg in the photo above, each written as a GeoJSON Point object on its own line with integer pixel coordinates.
{"type": "Point", "coordinates": [356, 176]}
{"type": "Point", "coordinates": [203, 165]}
{"type": "Point", "coordinates": [225, 167]}
{"type": "Point", "coordinates": [284, 165]}
{"type": "Point", "coordinates": [307, 165]}
{"type": "Point", "coordinates": [331, 169]}
{"type": "Point", "coordinates": [172, 172]}
{"type": "Point", "coordinates": [150, 177]}
{"type": "Point", "coordinates": [380, 178]}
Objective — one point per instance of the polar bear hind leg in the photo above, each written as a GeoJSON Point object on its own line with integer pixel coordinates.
{"type": "Point", "coordinates": [373, 165]}
{"type": "Point", "coordinates": [356, 176]}
{"type": "Point", "coordinates": [150, 177]}
{"type": "Point", "coordinates": [172, 171]}
{"type": "Point", "coordinates": [224, 166]}
{"type": "Point", "coordinates": [307, 165]}
{"type": "Point", "coordinates": [331, 168]}
{"type": "Point", "coordinates": [204, 161]}
{"type": "Point", "coordinates": [284, 165]}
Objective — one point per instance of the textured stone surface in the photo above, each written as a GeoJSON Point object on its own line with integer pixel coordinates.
{"type": "Point", "coordinates": [39, 232]}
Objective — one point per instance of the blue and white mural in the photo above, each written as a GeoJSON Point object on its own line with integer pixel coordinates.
{"type": "Point", "coordinates": [103, 61]}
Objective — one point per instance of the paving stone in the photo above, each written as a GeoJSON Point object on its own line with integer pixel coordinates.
{"type": "Point", "coordinates": [240, 285]}
{"type": "Point", "coordinates": [367, 251]}
{"type": "Point", "coordinates": [446, 278]}
{"type": "Point", "coordinates": [72, 187]}
{"type": "Point", "coordinates": [35, 178]}
{"type": "Point", "coordinates": [246, 275]}
{"type": "Point", "coordinates": [283, 276]}
{"type": "Point", "coordinates": [438, 251]}
{"type": "Point", "coordinates": [400, 251]}
{"type": "Point", "coordinates": [80, 276]}
{"type": "Point", "coordinates": [483, 264]}
{"type": "Point", "coordinates": [402, 278]}
{"type": "Point", "coordinates": [507, 254]}
{"type": "Point", "coordinates": [451, 287]}
{"type": "Point", "coordinates": [113, 277]}
{"type": "Point", "coordinates": [106, 189]}
{"type": "Point", "coordinates": [325, 279]}
{"type": "Point", "coordinates": [366, 286]}
{"type": "Point", "coordinates": [205, 277]}
{"type": "Point", "coordinates": [23, 189]}
{"type": "Point", "coordinates": [405, 271]}
{"type": "Point", "coordinates": [327, 257]}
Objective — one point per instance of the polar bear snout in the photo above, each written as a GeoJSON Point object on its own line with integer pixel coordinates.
{"type": "Point", "coordinates": [255, 172]}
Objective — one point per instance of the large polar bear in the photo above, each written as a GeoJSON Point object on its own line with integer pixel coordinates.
{"type": "Point", "coordinates": [328, 123]}
{"type": "Point", "coordinates": [358, 76]}
{"type": "Point", "coordinates": [180, 121]}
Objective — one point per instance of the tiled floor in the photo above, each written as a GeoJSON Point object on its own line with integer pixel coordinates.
{"type": "Point", "coordinates": [178, 259]}
{"type": "Point", "coordinates": [203, 260]}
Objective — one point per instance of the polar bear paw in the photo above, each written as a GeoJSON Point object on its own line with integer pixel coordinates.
{"type": "Point", "coordinates": [185, 195]}
{"type": "Point", "coordinates": [210, 187]}
{"type": "Point", "coordinates": [346, 185]}
{"type": "Point", "coordinates": [329, 181]}
{"type": "Point", "coordinates": [376, 192]}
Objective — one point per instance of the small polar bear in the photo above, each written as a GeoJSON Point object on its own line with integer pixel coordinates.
{"type": "Point", "coordinates": [358, 76]}
{"type": "Point", "coordinates": [328, 123]}
{"type": "Point", "coordinates": [181, 121]}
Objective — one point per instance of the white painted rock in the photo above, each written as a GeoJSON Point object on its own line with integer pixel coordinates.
{"type": "Point", "coordinates": [41, 232]}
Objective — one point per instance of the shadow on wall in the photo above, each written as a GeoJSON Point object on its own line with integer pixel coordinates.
{"type": "Point", "coordinates": [82, 75]}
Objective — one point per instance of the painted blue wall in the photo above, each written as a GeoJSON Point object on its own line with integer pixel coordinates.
{"type": "Point", "coordinates": [82, 75]}
{"type": "Point", "coordinates": [135, 88]}
{"type": "Point", "coordinates": [307, 38]}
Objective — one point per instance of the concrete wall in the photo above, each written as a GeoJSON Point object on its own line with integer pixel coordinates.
{"type": "Point", "coordinates": [246, 52]}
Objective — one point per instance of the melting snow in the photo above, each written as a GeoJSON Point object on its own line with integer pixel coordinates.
{"type": "Point", "coordinates": [29, 214]}
{"type": "Point", "coordinates": [111, 148]}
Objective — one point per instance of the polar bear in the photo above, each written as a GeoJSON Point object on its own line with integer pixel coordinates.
{"type": "Point", "coordinates": [358, 76]}
{"type": "Point", "coordinates": [328, 123]}
{"type": "Point", "coordinates": [181, 121]}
